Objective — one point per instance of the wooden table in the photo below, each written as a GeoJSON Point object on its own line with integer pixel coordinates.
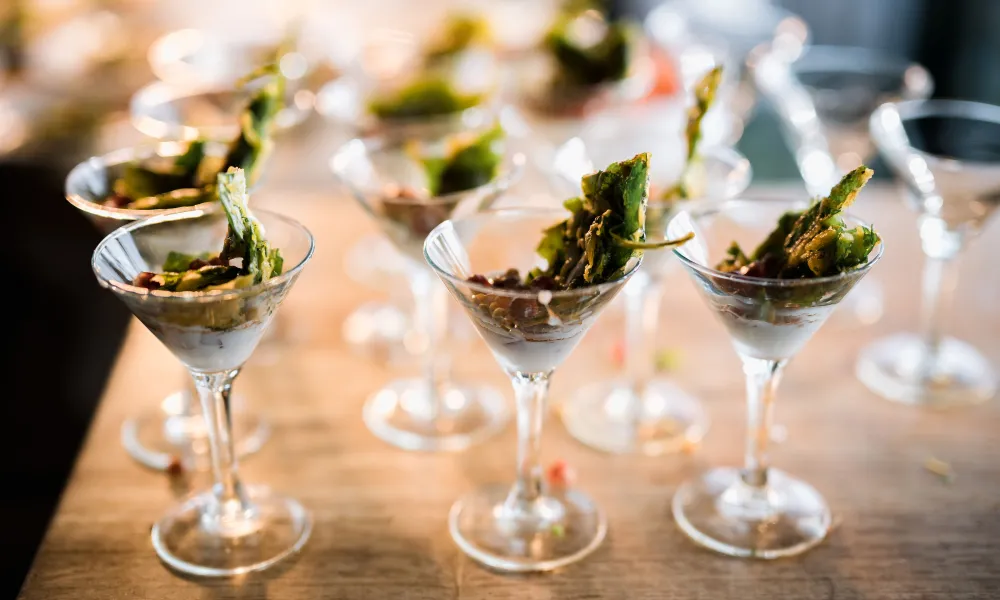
{"type": "Point", "coordinates": [380, 513]}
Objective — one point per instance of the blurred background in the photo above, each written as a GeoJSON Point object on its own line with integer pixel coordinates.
{"type": "Point", "coordinates": [69, 69]}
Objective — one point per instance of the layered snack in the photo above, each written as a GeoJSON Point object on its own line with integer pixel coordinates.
{"type": "Point", "coordinates": [597, 244]}
{"type": "Point", "coordinates": [815, 243]}
{"type": "Point", "coordinates": [215, 333]}
{"type": "Point", "coordinates": [189, 178]}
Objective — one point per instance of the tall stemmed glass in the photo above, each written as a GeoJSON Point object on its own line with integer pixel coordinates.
{"type": "Point", "coordinates": [946, 153]}
{"type": "Point", "coordinates": [173, 434]}
{"type": "Point", "coordinates": [529, 526]}
{"type": "Point", "coordinates": [756, 511]}
{"type": "Point", "coordinates": [642, 412]}
{"type": "Point", "coordinates": [431, 412]}
{"type": "Point", "coordinates": [233, 528]}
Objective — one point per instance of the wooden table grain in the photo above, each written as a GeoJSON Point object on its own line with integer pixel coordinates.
{"type": "Point", "coordinates": [380, 513]}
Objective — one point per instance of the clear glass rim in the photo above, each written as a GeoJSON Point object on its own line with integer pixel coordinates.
{"type": "Point", "coordinates": [195, 297]}
{"type": "Point", "coordinates": [514, 161]}
{"type": "Point", "coordinates": [558, 214]}
{"type": "Point", "coordinates": [709, 209]}
{"type": "Point", "coordinates": [858, 59]}
{"type": "Point", "coordinates": [963, 109]}
{"type": "Point", "coordinates": [908, 110]}
{"type": "Point", "coordinates": [120, 157]}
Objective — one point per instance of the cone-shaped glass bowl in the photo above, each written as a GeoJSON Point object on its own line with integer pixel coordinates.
{"type": "Point", "coordinates": [432, 412]}
{"type": "Point", "coordinates": [173, 433]}
{"type": "Point", "coordinates": [756, 511]}
{"type": "Point", "coordinates": [530, 526]}
{"type": "Point", "coordinates": [231, 529]}
{"type": "Point", "coordinates": [641, 412]}
{"type": "Point", "coordinates": [946, 154]}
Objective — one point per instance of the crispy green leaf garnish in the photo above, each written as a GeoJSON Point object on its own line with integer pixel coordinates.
{"type": "Point", "coordinates": [245, 238]}
{"type": "Point", "coordinates": [704, 95]}
{"type": "Point", "coordinates": [467, 163]}
{"type": "Point", "coordinates": [428, 96]}
{"type": "Point", "coordinates": [606, 228]}
{"type": "Point", "coordinates": [811, 243]}
{"type": "Point", "coordinates": [179, 198]}
{"type": "Point", "coordinates": [460, 32]}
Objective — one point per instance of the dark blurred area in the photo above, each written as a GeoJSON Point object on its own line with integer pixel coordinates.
{"type": "Point", "coordinates": [67, 330]}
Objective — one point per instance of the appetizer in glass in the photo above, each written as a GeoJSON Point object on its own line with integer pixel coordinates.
{"type": "Point", "coordinates": [409, 186]}
{"type": "Point", "coordinates": [207, 282]}
{"type": "Point", "coordinates": [771, 299]}
{"type": "Point", "coordinates": [532, 309]}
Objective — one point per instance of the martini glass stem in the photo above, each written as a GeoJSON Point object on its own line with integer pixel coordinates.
{"type": "Point", "coordinates": [232, 515]}
{"type": "Point", "coordinates": [763, 377]}
{"type": "Point", "coordinates": [939, 281]}
{"type": "Point", "coordinates": [431, 310]}
{"type": "Point", "coordinates": [643, 296]}
{"type": "Point", "coordinates": [530, 392]}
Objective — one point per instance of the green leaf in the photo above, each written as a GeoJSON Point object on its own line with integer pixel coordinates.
{"type": "Point", "coordinates": [192, 157]}
{"type": "Point", "coordinates": [245, 238]}
{"type": "Point", "coordinates": [248, 150]}
{"type": "Point", "coordinates": [197, 280]}
{"type": "Point", "coordinates": [586, 62]}
{"type": "Point", "coordinates": [428, 96]}
{"type": "Point", "coordinates": [179, 198]}
{"type": "Point", "coordinates": [467, 164]}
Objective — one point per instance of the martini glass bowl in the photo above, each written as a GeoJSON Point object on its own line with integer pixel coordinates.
{"type": "Point", "coordinates": [947, 155]}
{"type": "Point", "coordinates": [529, 526]}
{"type": "Point", "coordinates": [432, 412]}
{"type": "Point", "coordinates": [756, 511]}
{"type": "Point", "coordinates": [233, 528]}
{"type": "Point", "coordinates": [173, 433]}
{"type": "Point", "coordinates": [643, 413]}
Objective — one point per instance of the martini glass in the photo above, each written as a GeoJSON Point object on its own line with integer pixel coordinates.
{"type": "Point", "coordinates": [642, 413]}
{"type": "Point", "coordinates": [233, 528]}
{"type": "Point", "coordinates": [432, 412]}
{"type": "Point", "coordinates": [174, 432]}
{"type": "Point", "coordinates": [529, 526]}
{"type": "Point", "coordinates": [756, 511]}
{"type": "Point", "coordinates": [946, 153]}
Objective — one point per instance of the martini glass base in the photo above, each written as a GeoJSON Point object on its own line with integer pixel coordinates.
{"type": "Point", "coordinates": [378, 330]}
{"type": "Point", "coordinates": [556, 530]}
{"type": "Point", "coordinates": [670, 419]}
{"type": "Point", "coordinates": [721, 513]}
{"type": "Point", "coordinates": [400, 414]}
{"type": "Point", "coordinates": [164, 439]}
{"type": "Point", "coordinates": [892, 368]}
{"type": "Point", "coordinates": [186, 540]}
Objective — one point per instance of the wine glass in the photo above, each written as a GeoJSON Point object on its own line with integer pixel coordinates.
{"type": "Point", "coordinates": [432, 412]}
{"type": "Point", "coordinates": [233, 528]}
{"type": "Point", "coordinates": [756, 511]}
{"type": "Point", "coordinates": [529, 526]}
{"type": "Point", "coordinates": [946, 154]}
{"type": "Point", "coordinates": [642, 413]}
{"type": "Point", "coordinates": [173, 433]}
